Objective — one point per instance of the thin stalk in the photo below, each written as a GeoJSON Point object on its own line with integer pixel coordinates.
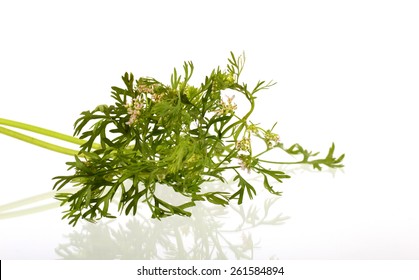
{"type": "Point", "coordinates": [41, 131]}
{"type": "Point", "coordinates": [261, 153]}
{"type": "Point", "coordinates": [229, 167]}
{"type": "Point", "coordinates": [284, 162]}
{"type": "Point", "coordinates": [248, 95]}
{"type": "Point", "coordinates": [37, 142]}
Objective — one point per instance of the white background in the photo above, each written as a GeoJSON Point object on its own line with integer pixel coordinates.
{"type": "Point", "coordinates": [346, 72]}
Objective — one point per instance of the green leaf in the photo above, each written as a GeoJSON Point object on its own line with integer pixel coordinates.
{"type": "Point", "coordinates": [275, 174]}
{"type": "Point", "coordinates": [219, 198]}
{"type": "Point", "coordinates": [268, 186]}
{"type": "Point", "coordinates": [244, 186]}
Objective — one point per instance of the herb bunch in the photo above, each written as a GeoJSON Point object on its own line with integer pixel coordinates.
{"type": "Point", "coordinates": [176, 137]}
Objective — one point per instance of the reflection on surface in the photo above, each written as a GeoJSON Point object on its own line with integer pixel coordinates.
{"type": "Point", "coordinates": [212, 232]}
{"type": "Point", "coordinates": [22, 207]}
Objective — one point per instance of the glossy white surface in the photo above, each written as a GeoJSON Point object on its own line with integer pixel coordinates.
{"type": "Point", "coordinates": [346, 72]}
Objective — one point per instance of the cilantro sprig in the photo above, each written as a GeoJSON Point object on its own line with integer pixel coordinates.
{"type": "Point", "coordinates": [176, 137]}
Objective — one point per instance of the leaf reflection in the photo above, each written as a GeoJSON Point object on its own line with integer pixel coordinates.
{"type": "Point", "coordinates": [211, 233]}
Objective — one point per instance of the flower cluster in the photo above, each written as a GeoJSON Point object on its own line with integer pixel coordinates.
{"type": "Point", "coordinates": [271, 139]}
{"type": "Point", "coordinates": [133, 109]}
{"type": "Point", "coordinates": [253, 129]}
{"type": "Point", "coordinates": [245, 162]}
{"type": "Point", "coordinates": [227, 107]}
{"type": "Point", "coordinates": [243, 145]}
{"type": "Point", "coordinates": [156, 97]}
{"type": "Point", "coordinates": [144, 89]}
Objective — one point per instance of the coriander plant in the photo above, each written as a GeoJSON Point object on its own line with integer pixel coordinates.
{"type": "Point", "coordinates": [175, 137]}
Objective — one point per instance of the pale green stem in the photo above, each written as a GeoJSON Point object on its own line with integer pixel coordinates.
{"type": "Point", "coordinates": [41, 131]}
{"type": "Point", "coordinates": [37, 142]}
{"type": "Point", "coordinates": [284, 162]}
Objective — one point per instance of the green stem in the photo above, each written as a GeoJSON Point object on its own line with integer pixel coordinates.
{"type": "Point", "coordinates": [229, 167]}
{"type": "Point", "coordinates": [37, 142]}
{"type": "Point", "coordinates": [261, 153]}
{"type": "Point", "coordinates": [244, 119]}
{"type": "Point", "coordinates": [41, 131]}
{"type": "Point", "coordinates": [284, 162]}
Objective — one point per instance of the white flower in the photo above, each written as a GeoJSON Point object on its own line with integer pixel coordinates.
{"type": "Point", "coordinates": [271, 138]}
{"type": "Point", "coordinates": [245, 162]}
{"type": "Point", "coordinates": [227, 107]}
{"type": "Point", "coordinates": [243, 145]}
{"type": "Point", "coordinates": [134, 110]}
